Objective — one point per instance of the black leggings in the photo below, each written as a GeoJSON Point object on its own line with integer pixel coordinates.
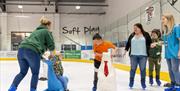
{"type": "Point", "coordinates": [97, 63]}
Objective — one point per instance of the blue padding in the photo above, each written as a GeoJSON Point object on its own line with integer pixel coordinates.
{"type": "Point", "coordinates": [86, 47]}
{"type": "Point", "coordinates": [54, 84]}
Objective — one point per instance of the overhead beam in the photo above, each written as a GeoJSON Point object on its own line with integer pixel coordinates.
{"type": "Point", "coordinates": [59, 4]}
{"type": "Point", "coordinates": [84, 1]}
{"type": "Point", "coordinates": [75, 13]}
{"type": "Point", "coordinates": [97, 5]}
{"type": "Point", "coordinates": [31, 4]}
{"type": "Point", "coordinates": [3, 7]}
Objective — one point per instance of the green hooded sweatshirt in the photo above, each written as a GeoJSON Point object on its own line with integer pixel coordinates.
{"type": "Point", "coordinates": [39, 41]}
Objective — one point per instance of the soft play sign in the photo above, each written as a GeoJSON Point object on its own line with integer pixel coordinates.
{"type": "Point", "coordinates": [80, 30]}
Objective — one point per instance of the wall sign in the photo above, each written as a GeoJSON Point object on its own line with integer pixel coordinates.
{"type": "Point", "coordinates": [80, 30]}
{"type": "Point", "coordinates": [172, 2]}
{"type": "Point", "coordinates": [72, 54]}
{"type": "Point", "coordinates": [149, 14]}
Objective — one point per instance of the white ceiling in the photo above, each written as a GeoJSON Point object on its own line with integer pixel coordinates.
{"type": "Point", "coordinates": [64, 6]}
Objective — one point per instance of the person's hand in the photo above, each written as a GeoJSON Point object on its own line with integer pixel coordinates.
{"type": "Point", "coordinates": [46, 55]}
{"type": "Point", "coordinates": [160, 43]}
{"type": "Point", "coordinates": [51, 55]}
{"type": "Point", "coordinates": [124, 53]}
{"type": "Point", "coordinates": [114, 52]}
{"type": "Point", "coordinates": [179, 54]}
{"type": "Point", "coordinates": [153, 45]}
{"type": "Point", "coordinates": [60, 56]}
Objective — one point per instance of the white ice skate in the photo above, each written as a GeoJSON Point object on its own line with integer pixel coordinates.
{"type": "Point", "coordinates": [106, 74]}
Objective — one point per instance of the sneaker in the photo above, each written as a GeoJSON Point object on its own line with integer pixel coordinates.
{"type": "Point", "coordinates": [158, 81]}
{"type": "Point", "coordinates": [131, 83]}
{"type": "Point", "coordinates": [143, 83]}
{"type": "Point", "coordinates": [12, 88]}
{"type": "Point", "coordinates": [170, 89]}
{"type": "Point", "coordinates": [151, 80]}
{"type": "Point", "coordinates": [94, 89]}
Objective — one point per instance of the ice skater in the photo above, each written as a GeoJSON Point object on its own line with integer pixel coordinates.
{"type": "Point", "coordinates": [139, 44]}
{"type": "Point", "coordinates": [171, 39]}
{"type": "Point", "coordinates": [30, 51]}
{"type": "Point", "coordinates": [56, 80]}
{"type": "Point", "coordinates": [155, 56]}
{"type": "Point", "coordinates": [100, 46]}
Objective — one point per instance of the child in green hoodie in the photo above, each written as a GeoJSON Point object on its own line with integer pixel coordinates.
{"type": "Point", "coordinates": [155, 56]}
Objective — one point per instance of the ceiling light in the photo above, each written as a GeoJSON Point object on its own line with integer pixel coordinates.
{"type": "Point", "coordinates": [20, 6]}
{"type": "Point", "coordinates": [22, 16]}
{"type": "Point", "coordinates": [78, 7]}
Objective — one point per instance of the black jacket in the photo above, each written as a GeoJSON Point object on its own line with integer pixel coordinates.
{"type": "Point", "coordinates": [147, 38]}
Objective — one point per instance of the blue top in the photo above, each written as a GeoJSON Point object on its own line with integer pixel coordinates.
{"type": "Point", "coordinates": [172, 43]}
{"type": "Point", "coordinates": [138, 46]}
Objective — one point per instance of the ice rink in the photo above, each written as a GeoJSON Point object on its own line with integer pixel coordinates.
{"type": "Point", "coordinates": [80, 78]}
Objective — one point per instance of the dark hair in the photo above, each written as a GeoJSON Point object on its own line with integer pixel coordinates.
{"type": "Point", "coordinates": [157, 31]}
{"type": "Point", "coordinates": [97, 36]}
{"type": "Point", "coordinates": [139, 25]}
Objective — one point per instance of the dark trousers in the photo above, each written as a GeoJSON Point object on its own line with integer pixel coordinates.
{"type": "Point", "coordinates": [96, 65]}
{"type": "Point", "coordinates": [27, 58]}
{"type": "Point", "coordinates": [154, 62]}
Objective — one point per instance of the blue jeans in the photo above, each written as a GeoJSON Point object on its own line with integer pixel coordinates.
{"type": "Point", "coordinates": [64, 81]}
{"type": "Point", "coordinates": [27, 58]}
{"type": "Point", "coordinates": [174, 72]}
{"type": "Point", "coordinates": [135, 61]}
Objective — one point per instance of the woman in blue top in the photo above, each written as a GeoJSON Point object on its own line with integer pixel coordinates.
{"type": "Point", "coordinates": [172, 50]}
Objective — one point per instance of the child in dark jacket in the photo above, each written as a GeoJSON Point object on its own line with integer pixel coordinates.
{"type": "Point", "coordinates": [155, 56]}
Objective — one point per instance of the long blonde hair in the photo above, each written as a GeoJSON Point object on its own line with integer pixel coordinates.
{"type": "Point", "coordinates": [170, 25]}
{"type": "Point", "coordinates": [45, 21]}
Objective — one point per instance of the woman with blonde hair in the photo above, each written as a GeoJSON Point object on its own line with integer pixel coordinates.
{"type": "Point", "coordinates": [30, 51]}
{"type": "Point", "coordinates": [171, 33]}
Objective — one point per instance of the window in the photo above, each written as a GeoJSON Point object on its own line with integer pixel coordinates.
{"type": "Point", "coordinates": [68, 47]}
{"type": "Point", "coordinates": [17, 37]}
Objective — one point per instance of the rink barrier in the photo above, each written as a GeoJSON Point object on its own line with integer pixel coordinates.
{"type": "Point", "coordinates": [8, 59]}
{"type": "Point", "coordinates": [164, 75]}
